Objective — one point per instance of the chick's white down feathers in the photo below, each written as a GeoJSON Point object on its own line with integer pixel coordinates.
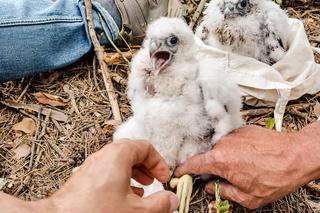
{"type": "Point", "coordinates": [178, 107]}
{"type": "Point", "coordinates": [258, 30]}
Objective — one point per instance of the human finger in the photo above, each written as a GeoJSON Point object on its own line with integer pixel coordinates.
{"type": "Point", "coordinates": [199, 164]}
{"type": "Point", "coordinates": [142, 175]}
{"type": "Point", "coordinates": [140, 152]}
{"type": "Point", "coordinates": [160, 202]}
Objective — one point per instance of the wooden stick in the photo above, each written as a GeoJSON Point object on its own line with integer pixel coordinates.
{"type": "Point", "coordinates": [104, 68]}
{"type": "Point", "coordinates": [95, 71]}
{"type": "Point", "coordinates": [55, 114]}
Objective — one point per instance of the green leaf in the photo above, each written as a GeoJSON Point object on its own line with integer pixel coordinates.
{"type": "Point", "coordinates": [224, 206]}
{"type": "Point", "coordinates": [270, 123]}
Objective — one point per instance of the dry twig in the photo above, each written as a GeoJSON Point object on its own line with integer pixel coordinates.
{"type": "Point", "coordinates": [104, 68]}
{"type": "Point", "coordinates": [57, 115]}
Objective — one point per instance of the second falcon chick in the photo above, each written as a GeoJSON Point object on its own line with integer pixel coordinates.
{"type": "Point", "coordinates": [254, 28]}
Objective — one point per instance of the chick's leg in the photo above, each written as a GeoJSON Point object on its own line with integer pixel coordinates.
{"type": "Point", "coordinates": [184, 191]}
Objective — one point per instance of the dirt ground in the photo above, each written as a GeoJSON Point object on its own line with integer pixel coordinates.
{"type": "Point", "coordinates": [50, 123]}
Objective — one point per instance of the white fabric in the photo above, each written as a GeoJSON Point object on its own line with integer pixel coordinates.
{"type": "Point", "coordinates": [262, 85]}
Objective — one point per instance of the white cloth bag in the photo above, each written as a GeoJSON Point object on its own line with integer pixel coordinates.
{"type": "Point", "coordinates": [294, 75]}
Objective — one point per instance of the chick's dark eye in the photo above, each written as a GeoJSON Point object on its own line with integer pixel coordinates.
{"type": "Point", "coordinates": [243, 4]}
{"type": "Point", "coordinates": [172, 40]}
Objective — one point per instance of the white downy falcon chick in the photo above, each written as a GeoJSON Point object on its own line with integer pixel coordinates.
{"type": "Point", "coordinates": [253, 28]}
{"type": "Point", "coordinates": [165, 95]}
{"type": "Point", "coordinates": [178, 102]}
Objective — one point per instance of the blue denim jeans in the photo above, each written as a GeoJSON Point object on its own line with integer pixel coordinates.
{"type": "Point", "coordinates": [42, 35]}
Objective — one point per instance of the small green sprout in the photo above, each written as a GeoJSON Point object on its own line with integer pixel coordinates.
{"type": "Point", "coordinates": [222, 206]}
{"type": "Point", "coordinates": [270, 123]}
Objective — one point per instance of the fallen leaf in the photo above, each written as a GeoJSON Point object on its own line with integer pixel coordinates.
{"type": "Point", "coordinates": [316, 109]}
{"type": "Point", "coordinates": [114, 58]}
{"type": "Point", "coordinates": [117, 58]}
{"type": "Point", "coordinates": [22, 151]}
{"type": "Point", "coordinates": [52, 100]}
{"type": "Point", "coordinates": [27, 125]}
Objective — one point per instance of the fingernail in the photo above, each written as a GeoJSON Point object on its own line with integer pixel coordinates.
{"type": "Point", "coordinates": [174, 202]}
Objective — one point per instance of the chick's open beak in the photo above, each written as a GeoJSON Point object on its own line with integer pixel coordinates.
{"type": "Point", "coordinates": [160, 56]}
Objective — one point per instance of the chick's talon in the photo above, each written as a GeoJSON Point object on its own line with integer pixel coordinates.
{"type": "Point", "coordinates": [184, 191]}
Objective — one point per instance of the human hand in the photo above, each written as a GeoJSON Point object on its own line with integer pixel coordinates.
{"type": "Point", "coordinates": [102, 184]}
{"type": "Point", "coordinates": [258, 164]}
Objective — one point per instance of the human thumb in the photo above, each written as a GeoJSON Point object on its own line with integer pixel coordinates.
{"type": "Point", "coordinates": [161, 202]}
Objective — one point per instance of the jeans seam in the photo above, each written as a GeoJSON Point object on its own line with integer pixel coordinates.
{"type": "Point", "coordinates": [39, 21]}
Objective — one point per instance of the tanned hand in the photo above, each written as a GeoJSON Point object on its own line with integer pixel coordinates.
{"type": "Point", "coordinates": [260, 165]}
